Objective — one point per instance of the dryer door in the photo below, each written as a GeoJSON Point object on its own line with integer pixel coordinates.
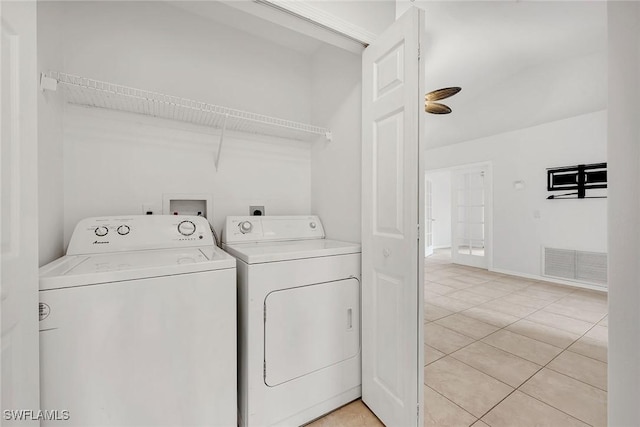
{"type": "Point", "coordinates": [310, 328]}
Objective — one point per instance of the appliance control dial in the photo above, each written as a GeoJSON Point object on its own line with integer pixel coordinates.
{"type": "Point", "coordinates": [123, 230]}
{"type": "Point", "coordinates": [312, 224]}
{"type": "Point", "coordinates": [245, 227]}
{"type": "Point", "coordinates": [186, 228]}
{"type": "Point", "coordinates": [101, 231]}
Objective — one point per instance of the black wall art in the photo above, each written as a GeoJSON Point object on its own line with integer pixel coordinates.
{"type": "Point", "coordinates": [580, 178]}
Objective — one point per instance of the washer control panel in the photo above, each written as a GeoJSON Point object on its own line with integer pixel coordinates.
{"type": "Point", "coordinates": [139, 232]}
{"type": "Point", "coordinates": [271, 228]}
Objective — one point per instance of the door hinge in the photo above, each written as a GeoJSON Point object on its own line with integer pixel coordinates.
{"type": "Point", "coordinates": [264, 369]}
{"type": "Point", "coordinates": [418, 51]}
{"type": "Point", "coordinates": [418, 231]}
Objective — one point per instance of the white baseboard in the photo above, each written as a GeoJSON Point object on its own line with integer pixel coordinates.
{"type": "Point", "coordinates": [552, 280]}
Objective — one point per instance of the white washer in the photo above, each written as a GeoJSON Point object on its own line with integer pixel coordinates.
{"type": "Point", "coordinates": [138, 325]}
{"type": "Point", "coordinates": [298, 319]}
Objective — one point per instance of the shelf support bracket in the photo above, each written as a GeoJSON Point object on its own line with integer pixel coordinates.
{"type": "Point", "coordinates": [224, 127]}
{"type": "Point", "coordinates": [48, 83]}
{"type": "Point", "coordinates": [328, 136]}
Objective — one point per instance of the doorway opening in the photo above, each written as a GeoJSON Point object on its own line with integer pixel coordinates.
{"type": "Point", "coordinates": [458, 214]}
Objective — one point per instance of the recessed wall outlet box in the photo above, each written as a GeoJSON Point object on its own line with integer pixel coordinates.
{"type": "Point", "coordinates": [256, 210]}
{"type": "Point", "coordinates": [188, 204]}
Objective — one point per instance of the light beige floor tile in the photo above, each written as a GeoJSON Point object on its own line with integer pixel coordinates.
{"type": "Point", "coordinates": [451, 304]}
{"type": "Point", "coordinates": [552, 288]}
{"type": "Point", "coordinates": [440, 411]}
{"type": "Point", "coordinates": [524, 300]}
{"type": "Point", "coordinates": [580, 400]}
{"type": "Point", "coordinates": [488, 290]}
{"type": "Point", "coordinates": [429, 295]}
{"type": "Point", "coordinates": [590, 348]}
{"type": "Point", "coordinates": [454, 283]}
{"type": "Point", "coordinates": [471, 279]}
{"type": "Point", "coordinates": [499, 364]}
{"type": "Point", "coordinates": [531, 292]}
{"type": "Point", "coordinates": [585, 369]}
{"type": "Point", "coordinates": [508, 308]}
{"type": "Point", "coordinates": [470, 297]}
{"type": "Point", "coordinates": [513, 280]}
{"type": "Point", "coordinates": [441, 274]}
{"type": "Point", "coordinates": [354, 414]}
{"type": "Point", "coordinates": [524, 411]}
{"type": "Point", "coordinates": [439, 289]}
{"type": "Point", "coordinates": [507, 286]}
{"type": "Point", "coordinates": [576, 312]}
{"type": "Point", "coordinates": [598, 333]}
{"type": "Point", "coordinates": [467, 326]}
{"type": "Point", "coordinates": [554, 336]}
{"type": "Point", "coordinates": [527, 348]}
{"type": "Point", "coordinates": [492, 317]}
{"type": "Point", "coordinates": [443, 339]}
{"type": "Point", "coordinates": [431, 354]}
{"type": "Point", "coordinates": [434, 312]}
{"type": "Point", "coordinates": [465, 386]}
{"type": "Point", "coordinates": [480, 423]}
{"type": "Point", "coordinates": [604, 322]}
{"type": "Point", "coordinates": [561, 322]}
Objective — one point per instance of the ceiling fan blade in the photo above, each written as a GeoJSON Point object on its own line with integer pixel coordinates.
{"type": "Point", "coordinates": [444, 93]}
{"type": "Point", "coordinates": [435, 108]}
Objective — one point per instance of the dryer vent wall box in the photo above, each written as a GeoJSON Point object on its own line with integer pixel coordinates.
{"type": "Point", "coordinates": [188, 204]}
{"type": "Point", "coordinates": [140, 314]}
{"type": "Point", "coordinates": [299, 319]}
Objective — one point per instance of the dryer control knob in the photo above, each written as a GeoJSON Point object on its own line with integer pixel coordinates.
{"type": "Point", "coordinates": [245, 227]}
{"type": "Point", "coordinates": [312, 225]}
{"type": "Point", "coordinates": [101, 231]}
{"type": "Point", "coordinates": [186, 228]}
{"type": "Point", "coordinates": [123, 230]}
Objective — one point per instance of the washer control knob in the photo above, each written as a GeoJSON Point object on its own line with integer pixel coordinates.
{"type": "Point", "coordinates": [245, 227]}
{"type": "Point", "coordinates": [312, 225]}
{"type": "Point", "coordinates": [101, 231]}
{"type": "Point", "coordinates": [186, 228]}
{"type": "Point", "coordinates": [123, 230]}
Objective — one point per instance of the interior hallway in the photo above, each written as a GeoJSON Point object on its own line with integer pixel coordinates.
{"type": "Point", "coordinates": [505, 351]}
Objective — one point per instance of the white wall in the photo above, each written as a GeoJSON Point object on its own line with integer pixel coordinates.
{"type": "Point", "coordinates": [524, 220]}
{"type": "Point", "coordinates": [50, 174]}
{"type": "Point", "coordinates": [336, 166]}
{"type": "Point", "coordinates": [441, 208]}
{"type": "Point", "coordinates": [114, 162]}
{"type": "Point", "coordinates": [624, 213]}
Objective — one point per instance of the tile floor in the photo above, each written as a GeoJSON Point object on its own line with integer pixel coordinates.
{"type": "Point", "coordinates": [505, 351]}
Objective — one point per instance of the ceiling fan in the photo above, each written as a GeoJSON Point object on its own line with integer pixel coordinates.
{"type": "Point", "coordinates": [435, 107]}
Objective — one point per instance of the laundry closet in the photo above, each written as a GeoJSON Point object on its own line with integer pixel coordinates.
{"type": "Point", "coordinates": [107, 161]}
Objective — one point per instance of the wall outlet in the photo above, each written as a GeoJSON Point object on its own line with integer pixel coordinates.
{"type": "Point", "coordinates": [256, 210]}
{"type": "Point", "coordinates": [150, 209]}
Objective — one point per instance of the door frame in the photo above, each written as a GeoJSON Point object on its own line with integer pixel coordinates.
{"type": "Point", "coordinates": [488, 207]}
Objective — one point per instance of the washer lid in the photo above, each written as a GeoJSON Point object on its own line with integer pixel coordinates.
{"type": "Point", "coordinates": [80, 270]}
{"type": "Point", "coordinates": [256, 253]}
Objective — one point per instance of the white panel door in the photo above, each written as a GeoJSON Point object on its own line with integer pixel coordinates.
{"type": "Point", "coordinates": [18, 209]}
{"type": "Point", "coordinates": [468, 217]}
{"type": "Point", "coordinates": [428, 218]}
{"type": "Point", "coordinates": [392, 207]}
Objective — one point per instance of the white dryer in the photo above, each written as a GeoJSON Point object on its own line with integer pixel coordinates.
{"type": "Point", "coordinates": [298, 319]}
{"type": "Point", "coordinates": [138, 325]}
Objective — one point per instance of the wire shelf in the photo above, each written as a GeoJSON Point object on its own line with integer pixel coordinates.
{"type": "Point", "coordinates": [95, 93]}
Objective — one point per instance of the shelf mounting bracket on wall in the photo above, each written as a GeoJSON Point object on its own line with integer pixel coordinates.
{"type": "Point", "coordinates": [224, 127]}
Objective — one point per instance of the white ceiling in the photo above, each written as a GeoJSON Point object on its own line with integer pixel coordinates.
{"type": "Point", "coordinates": [224, 14]}
{"type": "Point", "coordinates": [519, 64]}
